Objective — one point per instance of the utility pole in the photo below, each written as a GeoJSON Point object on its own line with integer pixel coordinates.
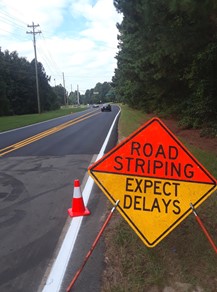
{"type": "Point", "coordinates": [33, 32]}
{"type": "Point", "coordinates": [65, 97]}
{"type": "Point", "coordinates": [78, 95]}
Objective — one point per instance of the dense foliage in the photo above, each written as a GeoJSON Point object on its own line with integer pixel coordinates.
{"type": "Point", "coordinates": [167, 59]}
{"type": "Point", "coordinates": [101, 93]}
{"type": "Point", "coordinates": [18, 93]}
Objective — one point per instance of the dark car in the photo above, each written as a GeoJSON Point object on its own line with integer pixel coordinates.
{"type": "Point", "coordinates": [106, 108]}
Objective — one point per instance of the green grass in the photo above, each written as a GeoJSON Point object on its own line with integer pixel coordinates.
{"type": "Point", "coordinates": [12, 122]}
{"type": "Point", "coordinates": [209, 160]}
{"type": "Point", "coordinates": [130, 120]}
{"type": "Point", "coordinates": [184, 256]}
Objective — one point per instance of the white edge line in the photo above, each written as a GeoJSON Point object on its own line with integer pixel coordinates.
{"type": "Point", "coordinates": [58, 269]}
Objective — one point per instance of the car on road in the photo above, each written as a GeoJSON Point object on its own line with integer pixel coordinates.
{"type": "Point", "coordinates": [95, 105]}
{"type": "Point", "coordinates": [106, 108]}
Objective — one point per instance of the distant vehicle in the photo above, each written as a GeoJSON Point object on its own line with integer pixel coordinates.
{"type": "Point", "coordinates": [106, 108]}
{"type": "Point", "coordinates": [95, 105]}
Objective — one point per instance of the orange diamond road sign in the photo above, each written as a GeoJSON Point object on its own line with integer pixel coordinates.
{"type": "Point", "coordinates": [155, 178]}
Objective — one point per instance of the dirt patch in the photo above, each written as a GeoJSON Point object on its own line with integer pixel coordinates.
{"type": "Point", "coordinates": [191, 136]}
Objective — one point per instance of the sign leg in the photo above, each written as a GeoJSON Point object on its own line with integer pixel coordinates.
{"type": "Point", "coordinates": [204, 229]}
{"type": "Point", "coordinates": [92, 247]}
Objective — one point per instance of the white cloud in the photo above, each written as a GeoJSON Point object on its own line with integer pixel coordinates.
{"type": "Point", "coordinates": [101, 19]}
{"type": "Point", "coordinates": [85, 55]}
{"type": "Point", "coordinates": [46, 12]}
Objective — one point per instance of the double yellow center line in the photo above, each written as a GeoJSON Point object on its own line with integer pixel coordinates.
{"type": "Point", "coordinates": [46, 133]}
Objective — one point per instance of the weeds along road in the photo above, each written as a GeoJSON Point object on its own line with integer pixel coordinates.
{"type": "Point", "coordinates": [38, 165]}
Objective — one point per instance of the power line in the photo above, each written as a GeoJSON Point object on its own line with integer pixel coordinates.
{"type": "Point", "coordinates": [50, 56]}
{"type": "Point", "coordinates": [9, 27]}
{"type": "Point", "coordinates": [11, 20]}
{"type": "Point", "coordinates": [20, 27]}
{"type": "Point", "coordinates": [47, 57]}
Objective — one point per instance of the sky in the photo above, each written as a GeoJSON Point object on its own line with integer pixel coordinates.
{"type": "Point", "coordinates": [77, 40]}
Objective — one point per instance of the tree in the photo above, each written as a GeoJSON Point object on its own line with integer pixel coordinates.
{"type": "Point", "coordinates": [48, 99]}
{"type": "Point", "coordinates": [161, 60]}
{"type": "Point", "coordinates": [18, 87]}
{"type": "Point", "coordinates": [98, 94]}
{"type": "Point", "coordinates": [60, 92]}
{"type": "Point", "coordinates": [4, 102]}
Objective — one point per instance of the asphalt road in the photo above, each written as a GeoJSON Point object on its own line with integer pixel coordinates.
{"type": "Point", "coordinates": [38, 165]}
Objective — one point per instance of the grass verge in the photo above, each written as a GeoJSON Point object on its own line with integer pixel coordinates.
{"type": "Point", "coordinates": [13, 122]}
{"type": "Point", "coordinates": [129, 121]}
{"type": "Point", "coordinates": [183, 261]}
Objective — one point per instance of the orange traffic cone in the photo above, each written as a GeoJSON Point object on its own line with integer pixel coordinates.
{"type": "Point", "coordinates": [78, 208]}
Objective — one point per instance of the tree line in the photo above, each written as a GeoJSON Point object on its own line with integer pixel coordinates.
{"type": "Point", "coordinates": [101, 93]}
{"type": "Point", "coordinates": [167, 59]}
{"type": "Point", "coordinates": [18, 86]}
{"type": "Point", "coordinates": [18, 93]}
